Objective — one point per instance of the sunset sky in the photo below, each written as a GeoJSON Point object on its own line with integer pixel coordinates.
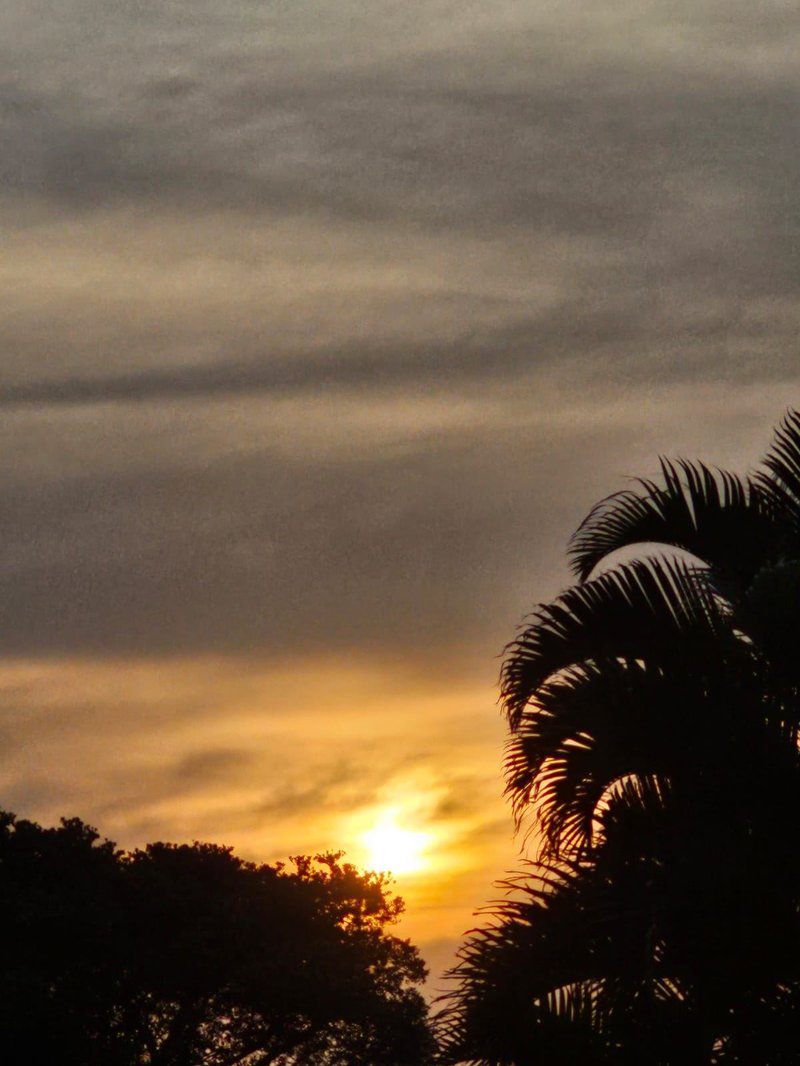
{"type": "Point", "coordinates": [323, 325]}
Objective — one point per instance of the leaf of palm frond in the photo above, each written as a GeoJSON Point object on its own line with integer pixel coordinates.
{"type": "Point", "coordinates": [643, 795]}
{"type": "Point", "coordinates": [636, 814]}
{"type": "Point", "coordinates": [645, 609]}
{"type": "Point", "coordinates": [610, 700]}
{"type": "Point", "coordinates": [565, 793]}
{"type": "Point", "coordinates": [780, 483]}
{"type": "Point", "coordinates": [579, 1003]}
{"type": "Point", "coordinates": [517, 988]}
{"type": "Point", "coordinates": [552, 976]}
{"type": "Point", "coordinates": [718, 517]}
{"type": "Point", "coordinates": [598, 724]}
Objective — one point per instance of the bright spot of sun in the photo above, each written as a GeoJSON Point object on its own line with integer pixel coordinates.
{"type": "Point", "coordinates": [392, 848]}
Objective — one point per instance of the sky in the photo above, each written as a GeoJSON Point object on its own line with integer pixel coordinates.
{"type": "Point", "coordinates": [323, 324]}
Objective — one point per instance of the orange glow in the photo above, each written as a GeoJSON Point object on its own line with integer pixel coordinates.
{"type": "Point", "coordinates": [272, 758]}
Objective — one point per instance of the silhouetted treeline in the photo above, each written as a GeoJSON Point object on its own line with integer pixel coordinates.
{"type": "Point", "coordinates": [189, 956]}
{"type": "Point", "coordinates": [654, 712]}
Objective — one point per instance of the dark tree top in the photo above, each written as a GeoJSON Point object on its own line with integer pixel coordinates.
{"type": "Point", "coordinates": [186, 955]}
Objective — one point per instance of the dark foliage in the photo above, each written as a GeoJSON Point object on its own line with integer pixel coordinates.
{"type": "Point", "coordinates": [654, 710]}
{"type": "Point", "coordinates": [188, 956]}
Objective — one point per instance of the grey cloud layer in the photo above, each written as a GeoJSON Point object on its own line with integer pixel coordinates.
{"type": "Point", "coordinates": [589, 122]}
{"type": "Point", "coordinates": [231, 224]}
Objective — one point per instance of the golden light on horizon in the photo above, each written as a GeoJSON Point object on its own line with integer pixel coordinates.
{"type": "Point", "coordinates": [393, 848]}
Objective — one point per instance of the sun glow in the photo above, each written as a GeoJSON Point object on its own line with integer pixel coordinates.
{"type": "Point", "coordinates": [394, 849]}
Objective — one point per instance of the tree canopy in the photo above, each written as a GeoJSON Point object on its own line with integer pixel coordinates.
{"type": "Point", "coordinates": [186, 955]}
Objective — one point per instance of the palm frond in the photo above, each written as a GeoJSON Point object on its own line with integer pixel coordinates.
{"type": "Point", "coordinates": [781, 481]}
{"type": "Point", "coordinates": [645, 608]}
{"type": "Point", "coordinates": [718, 517]}
{"type": "Point", "coordinates": [518, 986]}
{"type": "Point", "coordinates": [586, 729]}
{"type": "Point", "coordinates": [561, 970]}
{"type": "Point", "coordinates": [589, 729]}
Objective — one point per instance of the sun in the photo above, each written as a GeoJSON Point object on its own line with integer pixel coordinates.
{"type": "Point", "coordinates": [391, 848]}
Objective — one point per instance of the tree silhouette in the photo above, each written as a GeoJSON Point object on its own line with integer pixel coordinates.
{"type": "Point", "coordinates": [654, 712]}
{"type": "Point", "coordinates": [189, 956]}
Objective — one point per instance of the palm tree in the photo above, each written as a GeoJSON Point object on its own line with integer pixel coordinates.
{"type": "Point", "coordinates": [654, 713]}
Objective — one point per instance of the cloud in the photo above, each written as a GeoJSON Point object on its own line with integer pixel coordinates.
{"type": "Point", "coordinates": [408, 526]}
{"type": "Point", "coordinates": [215, 764]}
{"type": "Point", "coordinates": [274, 756]}
{"type": "Point", "coordinates": [588, 122]}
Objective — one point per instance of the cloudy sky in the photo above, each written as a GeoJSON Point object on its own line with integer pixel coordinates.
{"type": "Point", "coordinates": [323, 324]}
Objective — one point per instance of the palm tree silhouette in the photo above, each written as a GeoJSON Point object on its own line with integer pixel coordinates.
{"type": "Point", "coordinates": [654, 710]}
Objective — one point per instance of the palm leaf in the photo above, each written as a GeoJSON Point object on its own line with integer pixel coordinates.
{"type": "Point", "coordinates": [722, 519]}
{"type": "Point", "coordinates": [562, 968]}
{"type": "Point", "coordinates": [518, 989]}
{"type": "Point", "coordinates": [594, 726]}
{"type": "Point", "coordinates": [781, 483]}
{"type": "Point", "coordinates": [582, 733]}
{"type": "Point", "coordinates": [644, 608]}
